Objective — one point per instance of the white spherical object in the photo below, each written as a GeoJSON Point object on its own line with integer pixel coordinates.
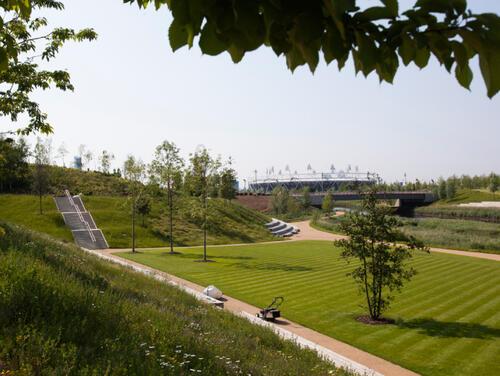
{"type": "Point", "coordinates": [213, 292]}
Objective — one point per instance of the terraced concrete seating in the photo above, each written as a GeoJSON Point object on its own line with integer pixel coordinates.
{"type": "Point", "coordinates": [281, 229]}
{"type": "Point", "coordinates": [273, 223]}
{"type": "Point", "coordinates": [287, 230]}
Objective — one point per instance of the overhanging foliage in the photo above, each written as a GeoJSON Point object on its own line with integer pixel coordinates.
{"type": "Point", "coordinates": [378, 38]}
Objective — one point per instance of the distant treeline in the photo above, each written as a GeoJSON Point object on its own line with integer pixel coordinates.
{"type": "Point", "coordinates": [25, 170]}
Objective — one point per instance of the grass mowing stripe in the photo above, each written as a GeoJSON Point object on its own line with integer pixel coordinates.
{"type": "Point", "coordinates": [478, 367]}
{"type": "Point", "coordinates": [445, 290]}
{"type": "Point", "coordinates": [445, 286]}
{"type": "Point", "coordinates": [323, 298]}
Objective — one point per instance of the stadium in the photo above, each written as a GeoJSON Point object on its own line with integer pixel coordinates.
{"type": "Point", "coordinates": [315, 181]}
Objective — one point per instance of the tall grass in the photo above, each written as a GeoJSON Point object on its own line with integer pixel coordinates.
{"type": "Point", "coordinates": [66, 312]}
{"type": "Point", "coordinates": [456, 212]}
{"type": "Point", "coordinates": [446, 233]}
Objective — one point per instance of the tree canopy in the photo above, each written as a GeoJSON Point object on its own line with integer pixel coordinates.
{"type": "Point", "coordinates": [21, 35]}
{"type": "Point", "coordinates": [378, 38]}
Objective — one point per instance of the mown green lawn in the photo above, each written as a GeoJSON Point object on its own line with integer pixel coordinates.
{"type": "Point", "coordinates": [447, 318]}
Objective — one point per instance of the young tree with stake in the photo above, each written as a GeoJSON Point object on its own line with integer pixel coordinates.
{"type": "Point", "coordinates": [203, 168]}
{"type": "Point", "coordinates": [166, 169]}
{"type": "Point", "coordinates": [41, 180]}
{"type": "Point", "coordinates": [134, 171]}
{"type": "Point", "coordinates": [372, 236]}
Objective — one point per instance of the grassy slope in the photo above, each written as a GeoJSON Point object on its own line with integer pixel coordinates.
{"type": "Point", "coordinates": [232, 222]}
{"type": "Point", "coordinates": [86, 182]}
{"type": "Point", "coordinates": [446, 233]}
{"type": "Point", "coordinates": [448, 316]}
{"type": "Point", "coordinates": [65, 312]}
{"type": "Point", "coordinates": [469, 195]}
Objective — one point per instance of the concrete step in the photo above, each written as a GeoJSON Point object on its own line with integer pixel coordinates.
{"type": "Point", "coordinates": [78, 202]}
{"type": "Point", "coordinates": [63, 204]}
{"type": "Point", "coordinates": [74, 222]}
{"type": "Point", "coordinates": [280, 227]}
{"type": "Point", "coordinates": [84, 240]}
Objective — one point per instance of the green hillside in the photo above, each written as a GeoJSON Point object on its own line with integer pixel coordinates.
{"type": "Point", "coordinates": [64, 312]}
{"type": "Point", "coordinates": [464, 196]}
{"type": "Point", "coordinates": [230, 222]}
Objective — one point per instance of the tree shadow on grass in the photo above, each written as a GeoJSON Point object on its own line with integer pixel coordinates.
{"type": "Point", "coordinates": [436, 328]}
{"type": "Point", "coordinates": [273, 266]}
{"type": "Point", "coordinates": [197, 255]}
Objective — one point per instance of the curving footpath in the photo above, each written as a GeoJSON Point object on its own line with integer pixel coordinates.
{"type": "Point", "coordinates": [309, 233]}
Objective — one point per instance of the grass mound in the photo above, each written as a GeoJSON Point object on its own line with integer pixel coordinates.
{"type": "Point", "coordinates": [230, 222]}
{"type": "Point", "coordinates": [65, 312]}
{"type": "Point", "coordinates": [465, 196]}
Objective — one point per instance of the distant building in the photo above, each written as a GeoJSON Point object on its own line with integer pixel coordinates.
{"type": "Point", "coordinates": [316, 182]}
{"type": "Point", "coordinates": [77, 162]}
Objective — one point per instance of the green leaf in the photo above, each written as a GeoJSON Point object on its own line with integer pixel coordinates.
{"type": "Point", "coordinates": [459, 5]}
{"type": "Point", "coordinates": [460, 53]}
{"type": "Point", "coordinates": [342, 6]}
{"type": "Point", "coordinates": [408, 49]}
{"type": "Point", "coordinates": [334, 47]}
{"type": "Point", "coordinates": [464, 75]}
{"type": "Point", "coordinates": [375, 14]}
{"type": "Point", "coordinates": [388, 64]}
{"type": "Point", "coordinates": [4, 60]}
{"type": "Point", "coordinates": [392, 6]}
{"type": "Point", "coordinates": [489, 62]}
{"type": "Point", "coordinates": [177, 35]}
{"type": "Point", "coordinates": [294, 59]}
{"type": "Point", "coordinates": [438, 6]}
{"type": "Point", "coordinates": [422, 57]}
{"type": "Point", "coordinates": [440, 47]}
{"type": "Point", "coordinates": [236, 53]}
{"type": "Point", "coordinates": [367, 53]}
{"type": "Point", "coordinates": [210, 43]}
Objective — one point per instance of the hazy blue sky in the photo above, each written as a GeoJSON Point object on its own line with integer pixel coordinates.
{"type": "Point", "coordinates": [132, 92]}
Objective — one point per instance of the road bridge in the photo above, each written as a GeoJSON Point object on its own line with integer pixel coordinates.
{"type": "Point", "coordinates": [403, 199]}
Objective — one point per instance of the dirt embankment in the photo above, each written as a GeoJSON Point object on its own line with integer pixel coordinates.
{"type": "Point", "coordinates": [260, 203]}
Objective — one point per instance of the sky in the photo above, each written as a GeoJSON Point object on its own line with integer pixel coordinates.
{"type": "Point", "coordinates": [132, 93]}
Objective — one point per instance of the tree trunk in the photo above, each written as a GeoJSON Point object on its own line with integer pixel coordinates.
{"type": "Point", "coordinates": [366, 289]}
{"type": "Point", "coordinates": [171, 218]}
{"type": "Point", "coordinates": [205, 231]}
{"type": "Point", "coordinates": [133, 225]}
{"type": "Point", "coordinates": [40, 201]}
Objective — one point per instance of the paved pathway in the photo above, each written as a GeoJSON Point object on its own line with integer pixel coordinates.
{"type": "Point", "coordinates": [376, 365]}
{"type": "Point", "coordinates": [309, 233]}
